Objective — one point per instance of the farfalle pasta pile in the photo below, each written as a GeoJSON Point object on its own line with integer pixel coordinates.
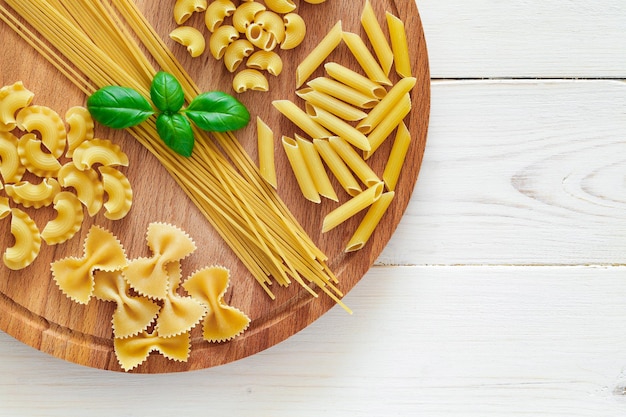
{"type": "Point", "coordinates": [44, 163]}
{"type": "Point", "coordinates": [151, 313]}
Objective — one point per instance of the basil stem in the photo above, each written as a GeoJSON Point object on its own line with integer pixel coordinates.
{"type": "Point", "coordinates": [175, 131]}
{"type": "Point", "coordinates": [217, 111]}
{"type": "Point", "coordinates": [119, 107]}
{"type": "Point", "coordinates": [166, 93]}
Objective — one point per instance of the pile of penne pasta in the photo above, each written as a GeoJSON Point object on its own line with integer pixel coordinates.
{"type": "Point", "coordinates": [253, 32]}
{"type": "Point", "coordinates": [347, 115]}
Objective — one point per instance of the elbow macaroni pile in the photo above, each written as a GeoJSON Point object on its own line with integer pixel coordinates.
{"type": "Point", "coordinates": [42, 161]}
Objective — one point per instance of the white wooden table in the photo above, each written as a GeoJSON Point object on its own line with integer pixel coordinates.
{"type": "Point", "coordinates": [503, 293]}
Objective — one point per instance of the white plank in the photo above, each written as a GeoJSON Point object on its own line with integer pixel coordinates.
{"type": "Point", "coordinates": [519, 173]}
{"type": "Point", "coordinates": [435, 341]}
{"type": "Point", "coordinates": [536, 38]}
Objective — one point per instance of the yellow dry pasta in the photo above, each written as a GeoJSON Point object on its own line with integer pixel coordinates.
{"type": "Point", "coordinates": [314, 1]}
{"type": "Point", "coordinates": [316, 168]}
{"type": "Point", "coordinates": [133, 314]}
{"type": "Point", "coordinates": [13, 98]}
{"type": "Point", "coordinates": [134, 350]}
{"type": "Point", "coordinates": [399, 45]}
{"type": "Point", "coordinates": [395, 162]}
{"type": "Point", "coordinates": [260, 37]}
{"type": "Point", "coordinates": [354, 161]}
{"type": "Point", "coordinates": [268, 61]}
{"type": "Point", "coordinates": [377, 38]}
{"type": "Point", "coordinates": [217, 12]}
{"type": "Point", "coordinates": [86, 184]}
{"type": "Point", "coordinates": [343, 92]}
{"type": "Point", "coordinates": [321, 51]}
{"type": "Point", "coordinates": [337, 166]}
{"type": "Point", "coordinates": [271, 23]}
{"type": "Point", "coordinates": [99, 151]}
{"type": "Point", "coordinates": [300, 170]}
{"type": "Point", "coordinates": [281, 6]}
{"type": "Point", "coordinates": [295, 31]}
{"type": "Point", "coordinates": [220, 39]}
{"type": "Point", "coordinates": [191, 38]}
{"type": "Point", "coordinates": [5, 206]}
{"type": "Point", "coordinates": [355, 80]}
{"type": "Point", "coordinates": [81, 128]}
{"type": "Point", "coordinates": [245, 14]}
{"type": "Point", "coordinates": [384, 107]}
{"type": "Point", "coordinates": [183, 9]}
{"type": "Point", "coordinates": [68, 220]}
{"type": "Point", "coordinates": [352, 207]}
{"type": "Point", "coordinates": [11, 167]}
{"type": "Point", "coordinates": [29, 194]}
{"type": "Point", "coordinates": [27, 241]}
{"type": "Point", "coordinates": [331, 104]}
{"type": "Point", "coordinates": [250, 79]}
{"type": "Point", "coordinates": [236, 52]}
{"type": "Point", "coordinates": [265, 139]}
{"type": "Point", "coordinates": [365, 58]}
{"type": "Point", "coordinates": [339, 127]}
{"type": "Point", "coordinates": [222, 322]}
{"type": "Point", "coordinates": [388, 124]}
{"type": "Point", "coordinates": [298, 116]}
{"type": "Point", "coordinates": [119, 193]}
{"type": "Point", "coordinates": [34, 159]}
{"type": "Point", "coordinates": [370, 222]}
{"type": "Point", "coordinates": [48, 123]}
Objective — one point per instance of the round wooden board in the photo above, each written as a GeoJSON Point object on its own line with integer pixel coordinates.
{"type": "Point", "coordinates": [33, 309]}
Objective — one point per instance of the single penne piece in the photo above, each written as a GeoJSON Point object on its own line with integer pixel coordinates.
{"type": "Point", "coordinates": [336, 165]}
{"type": "Point", "coordinates": [355, 80]}
{"type": "Point", "coordinates": [300, 170]}
{"type": "Point", "coordinates": [331, 104]}
{"type": "Point", "coordinates": [265, 138]}
{"type": "Point", "coordinates": [316, 168]}
{"type": "Point", "coordinates": [369, 223]}
{"type": "Point", "coordinates": [399, 45]}
{"type": "Point", "coordinates": [396, 157]}
{"type": "Point", "coordinates": [338, 127]}
{"type": "Point", "coordinates": [378, 113]}
{"type": "Point", "coordinates": [300, 119]}
{"type": "Point", "coordinates": [354, 161]}
{"type": "Point", "coordinates": [376, 37]}
{"type": "Point", "coordinates": [352, 207]}
{"type": "Point", "coordinates": [365, 58]}
{"type": "Point", "coordinates": [343, 92]}
{"type": "Point", "coordinates": [384, 129]}
{"type": "Point", "coordinates": [315, 58]}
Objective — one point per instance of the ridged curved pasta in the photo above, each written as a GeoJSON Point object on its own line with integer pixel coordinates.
{"type": "Point", "coordinates": [119, 193]}
{"type": "Point", "coordinates": [217, 11]}
{"type": "Point", "coordinates": [99, 151]}
{"type": "Point", "coordinates": [87, 185]}
{"type": "Point", "coordinates": [81, 128]}
{"type": "Point", "coordinates": [183, 9]}
{"type": "Point", "coordinates": [250, 79]}
{"type": "Point", "coordinates": [27, 241]}
{"type": "Point", "coordinates": [281, 6]}
{"type": "Point", "coordinates": [34, 195]}
{"type": "Point", "coordinates": [190, 37]}
{"type": "Point", "coordinates": [34, 159]}
{"type": "Point", "coordinates": [68, 220]}
{"type": "Point", "coordinates": [236, 52]}
{"type": "Point", "coordinates": [245, 14]}
{"type": "Point", "coordinates": [295, 31]}
{"type": "Point", "coordinates": [314, 1]}
{"type": "Point", "coordinates": [260, 38]}
{"type": "Point", "coordinates": [271, 22]}
{"type": "Point", "coordinates": [11, 168]}
{"type": "Point", "coordinates": [13, 98]}
{"type": "Point", "coordinates": [268, 61]}
{"type": "Point", "coordinates": [5, 206]}
{"type": "Point", "coordinates": [133, 351]}
{"type": "Point", "coordinates": [48, 123]}
{"type": "Point", "coordinates": [220, 39]}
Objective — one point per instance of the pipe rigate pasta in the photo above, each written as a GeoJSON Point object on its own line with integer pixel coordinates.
{"type": "Point", "coordinates": [87, 185]}
{"type": "Point", "coordinates": [245, 14]}
{"type": "Point", "coordinates": [48, 123]}
{"type": "Point", "coordinates": [34, 159]}
{"type": "Point", "coordinates": [99, 151]}
{"type": "Point", "coordinates": [250, 79]}
{"type": "Point", "coordinates": [11, 168]}
{"type": "Point", "coordinates": [268, 61]}
{"type": "Point", "coordinates": [295, 31]}
{"type": "Point", "coordinates": [272, 23]}
{"type": "Point", "coordinates": [5, 206]}
{"type": "Point", "coordinates": [34, 195]}
{"type": "Point", "coordinates": [220, 39]}
{"type": "Point", "coordinates": [281, 6]}
{"type": "Point", "coordinates": [190, 37]}
{"type": "Point", "coordinates": [27, 241]}
{"type": "Point", "coordinates": [119, 193]}
{"type": "Point", "coordinates": [68, 220]}
{"type": "Point", "coordinates": [217, 11]}
{"type": "Point", "coordinates": [183, 9]}
{"type": "Point", "coordinates": [81, 128]}
{"type": "Point", "coordinates": [13, 98]}
{"type": "Point", "coordinates": [260, 38]}
{"type": "Point", "coordinates": [236, 52]}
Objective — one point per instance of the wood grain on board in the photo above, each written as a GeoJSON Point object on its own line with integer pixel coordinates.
{"type": "Point", "coordinates": [36, 312]}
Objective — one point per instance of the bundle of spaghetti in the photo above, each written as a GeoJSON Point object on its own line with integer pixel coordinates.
{"type": "Point", "coordinates": [96, 49]}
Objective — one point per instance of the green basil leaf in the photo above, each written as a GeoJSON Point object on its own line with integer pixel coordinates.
{"type": "Point", "coordinates": [217, 111]}
{"type": "Point", "coordinates": [166, 92]}
{"type": "Point", "coordinates": [175, 130]}
{"type": "Point", "coordinates": [118, 107]}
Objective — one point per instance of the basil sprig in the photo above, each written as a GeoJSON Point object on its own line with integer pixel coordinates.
{"type": "Point", "coordinates": [122, 107]}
